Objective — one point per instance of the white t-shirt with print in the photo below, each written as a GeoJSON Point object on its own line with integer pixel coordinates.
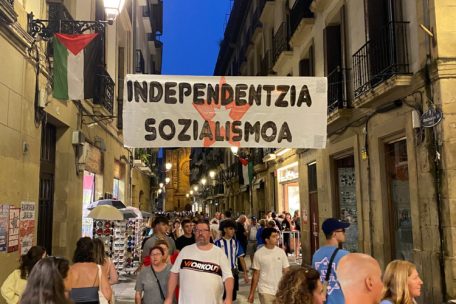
{"type": "Point", "coordinates": [270, 263]}
{"type": "Point", "coordinates": [201, 275]}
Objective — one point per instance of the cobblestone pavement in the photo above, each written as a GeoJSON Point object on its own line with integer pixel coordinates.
{"type": "Point", "coordinates": [125, 293]}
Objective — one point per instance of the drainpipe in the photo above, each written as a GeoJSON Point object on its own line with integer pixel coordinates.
{"type": "Point", "coordinates": [435, 151]}
{"type": "Point", "coordinates": [133, 28]}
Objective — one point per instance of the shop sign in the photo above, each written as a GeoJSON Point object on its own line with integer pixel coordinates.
{"type": "Point", "coordinates": [431, 118]}
{"type": "Point", "coordinates": [255, 112]}
{"type": "Point", "coordinates": [288, 173]}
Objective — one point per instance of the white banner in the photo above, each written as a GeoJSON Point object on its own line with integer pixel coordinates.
{"type": "Point", "coordinates": [193, 111]}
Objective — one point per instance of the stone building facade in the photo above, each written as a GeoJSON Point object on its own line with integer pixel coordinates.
{"type": "Point", "coordinates": [62, 154]}
{"type": "Point", "coordinates": [383, 169]}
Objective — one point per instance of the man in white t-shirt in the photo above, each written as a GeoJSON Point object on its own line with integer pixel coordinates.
{"type": "Point", "coordinates": [269, 264]}
{"type": "Point", "coordinates": [202, 270]}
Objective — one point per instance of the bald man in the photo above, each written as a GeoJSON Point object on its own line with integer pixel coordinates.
{"type": "Point", "coordinates": [360, 277]}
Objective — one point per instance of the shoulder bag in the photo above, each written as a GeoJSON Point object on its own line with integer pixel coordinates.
{"type": "Point", "coordinates": [158, 283]}
{"type": "Point", "coordinates": [328, 271]}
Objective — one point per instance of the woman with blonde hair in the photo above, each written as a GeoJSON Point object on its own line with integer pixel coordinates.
{"type": "Point", "coordinates": [402, 283]}
{"type": "Point", "coordinates": [300, 285]}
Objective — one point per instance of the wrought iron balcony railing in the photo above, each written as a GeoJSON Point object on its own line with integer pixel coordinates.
{"type": "Point", "coordinates": [337, 89]}
{"type": "Point", "coordinates": [11, 2]}
{"type": "Point", "coordinates": [300, 10]}
{"type": "Point", "coordinates": [280, 40]}
{"type": "Point", "coordinates": [61, 21]}
{"type": "Point", "coordinates": [385, 55]}
{"type": "Point", "coordinates": [104, 90]}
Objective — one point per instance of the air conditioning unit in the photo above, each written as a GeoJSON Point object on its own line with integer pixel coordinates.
{"type": "Point", "coordinates": [78, 138]}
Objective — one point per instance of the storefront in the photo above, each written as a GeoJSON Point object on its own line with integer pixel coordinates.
{"type": "Point", "coordinates": [288, 190]}
{"type": "Point", "coordinates": [92, 187]}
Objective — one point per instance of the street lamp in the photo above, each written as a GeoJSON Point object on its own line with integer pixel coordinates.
{"type": "Point", "coordinates": [160, 185]}
{"type": "Point", "coordinates": [168, 166]}
{"type": "Point", "coordinates": [167, 180]}
{"type": "Point", "coordinates": [159, 191]}
{"type": "Point", "coordinates": [113, 8]}
{"type": "Point", "coordinates": [212, 174]}
{"type": "Point", "coordinates": [187, 195]}
{"type": "Point", "coordinates": [203, 181]}
{"type": "Point", "coordinates": [195, 188]}
{"type": "Point", "coordinates": [191, 192]}
{"type": "Point", "coordinates": [234, 149]}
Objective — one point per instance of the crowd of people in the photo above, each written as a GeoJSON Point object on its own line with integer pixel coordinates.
{"type": "Point", "coordinates": [190, 259]}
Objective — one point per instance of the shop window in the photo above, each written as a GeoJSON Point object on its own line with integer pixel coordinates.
{"type": "Point", "coordinates": [400, 221]}
{"type": "Point", "coordinates": [289, 189]}
{"type": "Point", "coordinates": [346, 199]}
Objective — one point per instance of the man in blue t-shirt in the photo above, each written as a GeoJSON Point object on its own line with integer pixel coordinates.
{"type": "Point", "coordinates": [334, 230]}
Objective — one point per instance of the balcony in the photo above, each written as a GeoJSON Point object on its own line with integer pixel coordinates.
{"type": "Point", "coordinates": [157, 17]}
{"type": "Point", "coordinates": [256, 23]}
{"type": "Point", "coordinates": [337, 89]}
{"type": "Point", "coordinates": [104, 94]}
{"type": "Point", "coordinates": [147, 20]}
{"type": "Point", "coordinates": [300, 11]}
{"type": "Point", "coordinates": [7, 13]}
{"type": "Point", "coordinates": [280, 41]}
{"type": "Point", "coordinates": [381, 58]}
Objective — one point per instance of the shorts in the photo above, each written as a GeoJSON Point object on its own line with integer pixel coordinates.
{"type": "Point", "coordinates": [251, 248]}
{"type": "Point", "coordinates": [266, 298]}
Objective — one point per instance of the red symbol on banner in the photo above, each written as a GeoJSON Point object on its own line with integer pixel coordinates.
{"type": "Point", "coordinates": [209, 111]}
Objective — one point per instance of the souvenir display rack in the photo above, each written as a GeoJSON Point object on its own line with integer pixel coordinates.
{"type": "Point", "coordinates": [135, 228]}
{"type": "Point", "coordinates": [113, 235]}
{"type": "Point", "coordinates": [123, 240]}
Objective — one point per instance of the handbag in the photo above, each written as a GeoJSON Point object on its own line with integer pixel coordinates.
{"type": "Point", "coordinates": [158, 282]}
{"type": "Point", "coordinates": [101, 297]}
{"type": "Point", "coordinates": [328, 272]}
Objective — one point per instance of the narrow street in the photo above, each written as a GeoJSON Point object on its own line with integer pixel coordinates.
{"type": "Point", "coordinates": [125, 293]}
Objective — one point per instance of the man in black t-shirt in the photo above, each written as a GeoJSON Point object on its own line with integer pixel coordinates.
{"type": "Point", "coordinates": [188, 238]}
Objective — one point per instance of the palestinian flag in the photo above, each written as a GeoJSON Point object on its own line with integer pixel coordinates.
{"type": "Point", "coordinates": [75, 60]}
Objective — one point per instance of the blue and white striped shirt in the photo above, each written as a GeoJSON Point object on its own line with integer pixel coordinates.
{"type": "Point", "coordinates": [233, 250]}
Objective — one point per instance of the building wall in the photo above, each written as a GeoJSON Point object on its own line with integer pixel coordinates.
{"type": "Point", "coordinates": [16, 128]}
{"type": "Point", "coordinates": [179, 174]}
{"type": "Point", "coordinates": [21, 136]}
{"type": "Point", "coordinates": [430, 190]}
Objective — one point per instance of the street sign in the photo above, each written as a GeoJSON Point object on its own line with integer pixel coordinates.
{"type": "Point", "coordinates": [431, 118]}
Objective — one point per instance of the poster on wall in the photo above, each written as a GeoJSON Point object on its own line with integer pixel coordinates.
{"type": "Point", "coordinates": [26, 226]}
{"type": "Point", "coordinates": [4, 218]}
{"type": "Point", "coordinates": [13, 229]}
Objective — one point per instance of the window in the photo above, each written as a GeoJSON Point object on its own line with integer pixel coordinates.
{"type": "Point", "coordinates": [400, 221]}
